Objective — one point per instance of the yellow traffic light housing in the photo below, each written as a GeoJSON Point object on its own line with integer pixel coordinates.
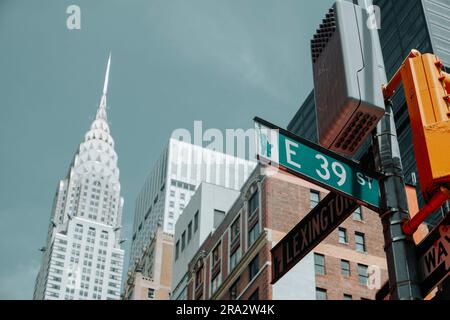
{"type": "Point", "coordinates": [427, 91]}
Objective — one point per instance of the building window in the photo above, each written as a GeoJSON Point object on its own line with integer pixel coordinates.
{"type": "Point", "coordinates": [199, 277]}
{"type": "Point", "coordinates": [196, 222]}
{"type": "Point", "coordinates": [151, 293]}
{"type": "Point", "coordinates": [253, 268]}
{"type": "Point", "coordinates": [216, 282]}
{"type": "Point", "coordinates": [218, 217]}
{"type": "Point", "coordinates": [314, 198]}
{"type": "Point", "coordinates": [348, 297]}
{"type": "Point", "coordinates": [235, 230]}
{"type": "Point", "coordinates": [319, 263]}
{"type": "Point", "coordinates": [360, 242]}
{"type": "Point", "coordinates": [253, 234]}
{"type": "Point", "coordinates": [189, 231]}
{"type": "Point", "coordinates": [234, 258]}
{"type": "Point", "coordinates": [177, 250]}
{"type": "Point", "coordinates": [362, 274]}
{"type": "Point", "coordinates": [233, 291]}
{"type": "Point", "coordinates": [254, 296]}
{"type": "Point", "coordinates": [357, 214]}
{"type": "Point", "coordinates": [321, 294]}
{"type": "Point", "coordinates": [345, 268]}
{"type": "Point", "coordinates": [183, 241]}
{"type": "Point", "coordinates": [216, 255]}
{"type": "Point", "coordinates": [343, 236]}
{"type": "Point", "coordinates": [253, 203]}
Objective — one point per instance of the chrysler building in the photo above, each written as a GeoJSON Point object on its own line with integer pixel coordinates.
{"type": "Point", "coordinates": [82, 257]}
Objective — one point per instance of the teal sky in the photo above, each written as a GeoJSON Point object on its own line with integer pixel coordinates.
{"type": "Point", "coordinates": [173, 62]}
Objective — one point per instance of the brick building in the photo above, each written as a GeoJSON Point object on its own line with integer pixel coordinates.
{"type": "Point", "coordinates": [157, 263]}
{"type": "Point", "coordinates": [234, 262]}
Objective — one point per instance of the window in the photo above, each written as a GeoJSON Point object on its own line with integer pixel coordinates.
{"type": "Point", "coordinates": [196, 221]}
{"type": "Point", "coordinates": [357, 214]}
{"type": "Point", "coordinates": [321, 294]}
{"type": "Point", "coordinates": [199, 277]}
{"type": "Point", "coordinates": [189, 231]}
{"type": "Point", "coordinates": [253, 234]}
{"type": "Point", "coordinates": [343, 236]}
{"type": "Point", "coordinates": [253, 203]}
{"type": "Point", "coordinates": [218, 217]}
{"type": "Point", "coordinates": [319, 263]}
{"type": "Point", "coordinates": [183, 240]}
{"type": "Point", "coordinates": [182, 196]}
{"type": "Point", "coordinates": [216, 282]}
{"type": "Point", "coordinates": [151, 293]}
{"type": "Point", "coordinates": [348, 297]}
{"type": "Point", "coordinates": [362, 274]}
{"type": "Point", "coordinates": [177, 250]}
{"type": "Point", "coordinates": [360, 242]}
{"type": "Point", "coordinates": [233, 291]}
{"type": "Point", "coordinates": [235, 230]}
{"type": "Point", "coordinates": [234, 258]}
{"type": "Point", "coordinates": [314, 198]}
{"type": "Point", "coordinates": [216, 255]}
{"type": "Point", "coordinates": [345, 268]}
{"type": "Point", "coordinates": [255, 295]}
{"type": "Point", "coordinates": [253, 268]}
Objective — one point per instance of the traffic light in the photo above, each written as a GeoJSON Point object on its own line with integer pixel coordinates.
{"type": "Point", "coordinates": [348, 77]}
{"type": "Point", "coordinates": [427, 91]}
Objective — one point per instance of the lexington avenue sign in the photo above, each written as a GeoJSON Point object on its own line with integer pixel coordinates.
{"type": "Point", "coordinates": [318, 165]}
{"type": "Point", "coordinates": [309, 232]}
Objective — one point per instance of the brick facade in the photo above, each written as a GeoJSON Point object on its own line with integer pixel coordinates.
{"type": "Point", "coordinates": [283, 201]}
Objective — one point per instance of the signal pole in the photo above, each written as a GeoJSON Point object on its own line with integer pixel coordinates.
{"type": "Point", "coordinates": [399, 248]}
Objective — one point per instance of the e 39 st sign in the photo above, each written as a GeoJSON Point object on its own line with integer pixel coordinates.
{"type": "Point", "coordinates": [350, 184]}
{"type": "Point", "coordinates": [318, 165]}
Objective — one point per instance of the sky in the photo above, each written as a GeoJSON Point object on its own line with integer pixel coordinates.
{"type": "Point", "coordinates": [173, 62]}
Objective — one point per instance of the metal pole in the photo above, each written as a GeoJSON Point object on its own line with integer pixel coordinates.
{"type": "Point", "coordinates": [400, 249]}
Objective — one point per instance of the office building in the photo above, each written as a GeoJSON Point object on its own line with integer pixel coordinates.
{"type": "Point", "coordinates": [82, 258]}
{"type": "Point", "coordinates": [181, 168]}
{"type": "Point", "coordinates": [200, 218]}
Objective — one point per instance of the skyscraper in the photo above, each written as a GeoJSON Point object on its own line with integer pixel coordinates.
{"type": "Point", "coordinates": [405, 25]}
{"type": "Point", "coordinates": [82, 258]}
{"type": "Point", "coordinates": [168, 188]}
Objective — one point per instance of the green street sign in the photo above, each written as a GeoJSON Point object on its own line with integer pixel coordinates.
{"type": "Point", "coordinates": [316, 164]}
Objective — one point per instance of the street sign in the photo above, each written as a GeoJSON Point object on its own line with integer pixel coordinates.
{"type": "Point", "coordinates": [309, 232]}
{"type": "Point", "coordinates": [433, 255]}
{"type": "Point", "coordinates": [318, 165]}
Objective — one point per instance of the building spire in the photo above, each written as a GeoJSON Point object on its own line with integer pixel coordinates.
{"type": "Point", "coordinates": [105, 85]}
{"type": "Point", "coordinates": [101, 112]}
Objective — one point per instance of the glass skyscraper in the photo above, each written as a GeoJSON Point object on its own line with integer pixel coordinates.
{"type": "Point", "coordinates": [405, 25]}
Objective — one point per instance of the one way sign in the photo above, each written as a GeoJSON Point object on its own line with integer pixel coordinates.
{"type": "Point", "coordinates": [433, 255]}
